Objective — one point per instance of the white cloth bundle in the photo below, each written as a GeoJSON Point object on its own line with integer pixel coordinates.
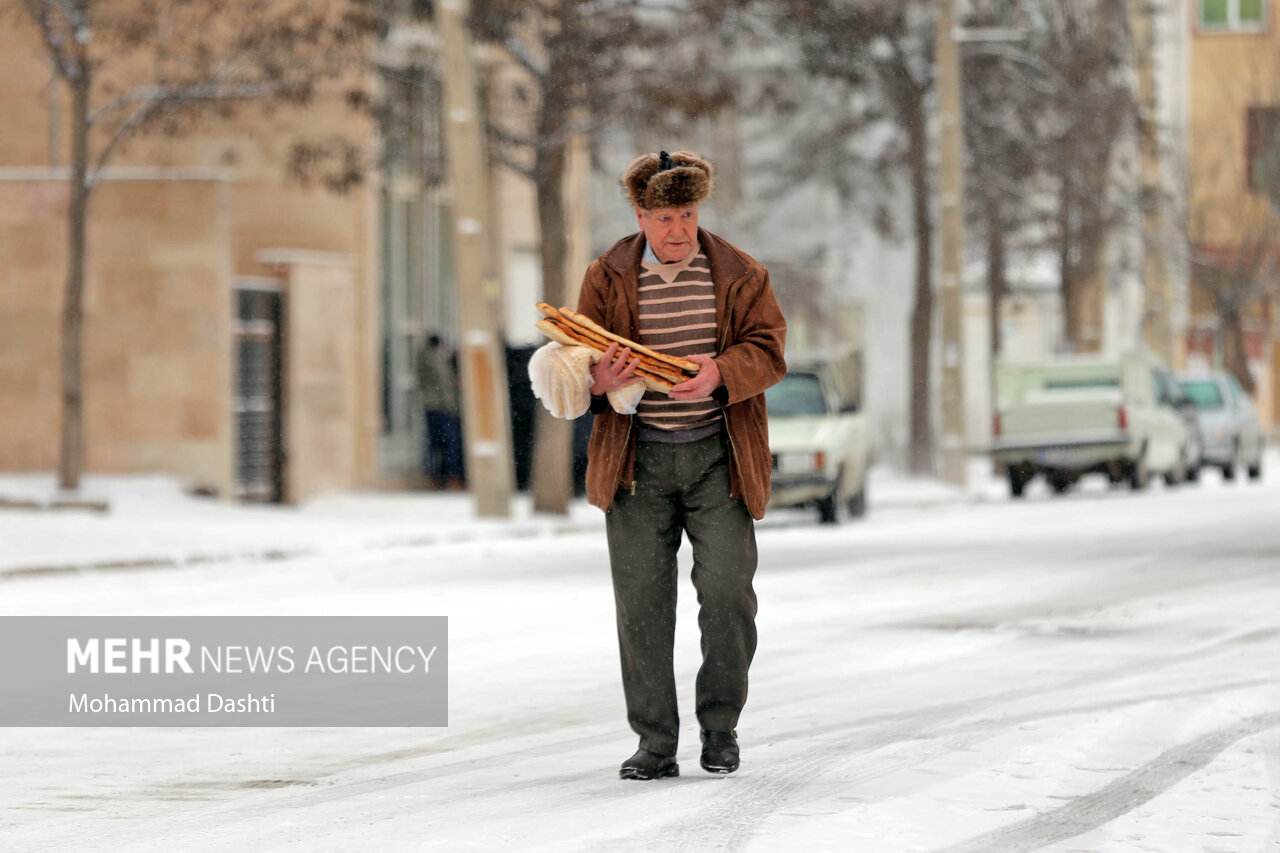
{"type": "Point", "coordinates": [561, 378]}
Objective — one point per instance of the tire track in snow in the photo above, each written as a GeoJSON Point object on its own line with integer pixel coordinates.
{"type": "Point", "coordinates": [730, 824]}
{"type": "Point", "coordinates": [1118, 798]}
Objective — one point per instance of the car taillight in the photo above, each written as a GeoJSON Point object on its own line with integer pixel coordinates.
{"type": "Point", "coordinates": [1122, 418]}
{"type": "Point", "coordinates": [995, 423]}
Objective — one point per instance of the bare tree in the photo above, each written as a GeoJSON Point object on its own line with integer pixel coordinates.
{"type": "Point", "coordinates": [1240, 274]}
{"type": "Point", "coordinates": [1237, 279]}
{"type": "Point", "coordinates": [883, 49]}
{"type": "Point", "coordinates": [1042, 118]}
{"type": "Point", "coordinates": [1233, 216]}
{"type": "Point", "coordinates": [1003, 87]}
{"type": "Point", "coordinates": [1044, 115]}
{"type": "Point", "coordinates": [139, 67]}
{"type": "Point", "coordinates": [1086, 109]}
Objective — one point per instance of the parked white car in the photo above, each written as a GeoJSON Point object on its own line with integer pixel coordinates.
{"type": "Point", "coordinates": [1071, 416]}
{"type": "Point", "coordinates": [1229, 425]}
{"type": "Point", "coordinates": [819, 439]}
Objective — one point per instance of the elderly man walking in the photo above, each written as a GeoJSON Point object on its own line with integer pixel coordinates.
{"type": "Point", "coordinates": [694, 462]}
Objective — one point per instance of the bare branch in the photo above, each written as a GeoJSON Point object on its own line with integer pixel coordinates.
{"type": "Point", "coordinates": [521, 54]}
{"type": "Point", "coordinates": [53, 42]}
{"type": "Point", "coordinates": [208, 91]}
{"type": "Point", "coordinates": [500, 157]}
{"type": "Point", "coordinates": [140, 116]}
{"type": "Point", "coordinates": [162, 100]}
{"type": "Point", "coordinates": [515, 140]}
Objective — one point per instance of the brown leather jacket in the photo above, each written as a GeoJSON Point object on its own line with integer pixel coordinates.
{"type": "Point", "coordinates": [750, 336]}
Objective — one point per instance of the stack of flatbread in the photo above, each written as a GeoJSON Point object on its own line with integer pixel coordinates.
{"type": "Point", "coordinates": [660, 372]}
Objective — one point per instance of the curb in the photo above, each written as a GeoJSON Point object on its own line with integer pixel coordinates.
{"type": "Point", "coordinates": [32, 505]}
{"type": "Point", "coordinates": [463, 535]}
{"type": "Point", "coordinates": [275, 555]}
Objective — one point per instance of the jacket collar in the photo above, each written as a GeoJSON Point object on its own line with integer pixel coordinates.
{"type": "Point", "coordinates": [626, 253]}
{"type": "Point", "coordinates": [726, 265]}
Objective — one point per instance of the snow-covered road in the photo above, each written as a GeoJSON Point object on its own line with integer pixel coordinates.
{"type": "Point", "coordinates": [1089, 673]}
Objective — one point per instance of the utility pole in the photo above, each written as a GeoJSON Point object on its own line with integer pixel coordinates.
{"type": "Point", "coordinates": [951, 221]}
{"type": "Point", "coordinates": [481, 356]}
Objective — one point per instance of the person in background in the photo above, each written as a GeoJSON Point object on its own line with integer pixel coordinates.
{"type": "Point", "coordinates": [438, 384]}
{"type": "Point", "coordinates": [693, 462]}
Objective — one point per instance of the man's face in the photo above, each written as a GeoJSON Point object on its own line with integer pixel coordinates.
{"type": "Point", "coordinates": [671, 231]}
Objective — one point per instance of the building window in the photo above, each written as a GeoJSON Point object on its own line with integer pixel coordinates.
{"type": "Point", "coordinates": [1233, 15]}
{"type": "Point", "coordinates": [1262, 151]}
{"type": "Point", "coordinates": [416, 298]}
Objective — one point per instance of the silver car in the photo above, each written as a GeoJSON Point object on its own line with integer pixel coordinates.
{"type": "Point", "coordinates": [1229, 426]}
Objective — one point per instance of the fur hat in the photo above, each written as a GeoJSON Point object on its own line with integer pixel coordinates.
{"type": "Point", "coordinates": [663, 180]}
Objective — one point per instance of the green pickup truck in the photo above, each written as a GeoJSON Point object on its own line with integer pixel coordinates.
{"type": "Point", "coordinates": [1072, 416]}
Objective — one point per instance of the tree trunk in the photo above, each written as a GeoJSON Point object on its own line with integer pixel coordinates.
{"type": "Point", "coordinates": [1066, 267]}
{"type": "Point", "coordinates": [920, 453]}
{"type": "Point", "coordinates": [70, 456]}
{"type": "Point", "coordinates": [1091, 277]}
{"type": "Point", "coordinates": [552, 471]}
{"type": "Point", "coordinates": [1235, 360]}
{"type": "Point", "coordinates": [997, 253]}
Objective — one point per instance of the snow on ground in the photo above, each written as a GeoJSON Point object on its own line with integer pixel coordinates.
{"type": "Point", "coordinates": [956, 672]}
{"type": "Point", "coordinates": [152, 522]}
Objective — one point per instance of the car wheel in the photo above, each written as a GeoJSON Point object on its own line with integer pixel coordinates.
{"type": "Point", "coordinates": [1255, 470]}
{"type": "Point", "coordinates": [829, 507]}
{"type": "Point", "coordinates": [1229, 469]}
{"type": "Point", "coordinates": [1060, 483]}
{"type": "Point", "coordinates": [858, 503]}
{"type": "Point", "coordinates": [1139, 476]}
{"type": "Point", "coordinates": [1018, 480]}
{"type": "Point", "coordinates": [1193, 474]}
{"type": "Point", "coordinates": [1175, 475]}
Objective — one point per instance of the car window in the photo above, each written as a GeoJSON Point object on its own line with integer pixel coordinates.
{"type": "Point", "coordinates": [797, 394]}
{"type": "Point", "coordinates": [1176, 395]}
{"type": "Point", "coordinates": [1163, 395]}
{"type": "Point", "coordinates": [1237, 393]}
{"type": "Point", "coordinates": [1205, 393]}
{"type": "Point", "coordinates": [1170, 391]}
{"type": "Point", "coordinates": [1243, 400]}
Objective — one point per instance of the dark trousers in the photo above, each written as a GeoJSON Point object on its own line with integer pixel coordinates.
{"type": "Point", "coordinates": [682, 488]}
{"type": "Point", "coordinates": [442, 456]}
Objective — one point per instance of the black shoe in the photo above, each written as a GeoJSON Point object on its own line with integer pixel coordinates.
{"type": "Point", "coordinates": [648, 765]}
{"type": "Point", "coordinates": [719, 751]}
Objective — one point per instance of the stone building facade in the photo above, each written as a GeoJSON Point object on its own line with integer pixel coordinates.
{"type": "Point", "coordinates": [187, 238]}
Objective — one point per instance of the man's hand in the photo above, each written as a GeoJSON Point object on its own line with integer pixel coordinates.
{"type": "Point", "coordinates": [700, 386]}
{"type": "Point", "coordinates": [610, 375]}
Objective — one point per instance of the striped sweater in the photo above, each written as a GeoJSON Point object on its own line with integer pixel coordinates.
{"type": "Point", "coordinates": [677, 316]}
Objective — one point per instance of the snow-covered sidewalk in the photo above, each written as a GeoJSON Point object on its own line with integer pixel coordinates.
{"type": "Point", "coordinates": [151, 522]}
